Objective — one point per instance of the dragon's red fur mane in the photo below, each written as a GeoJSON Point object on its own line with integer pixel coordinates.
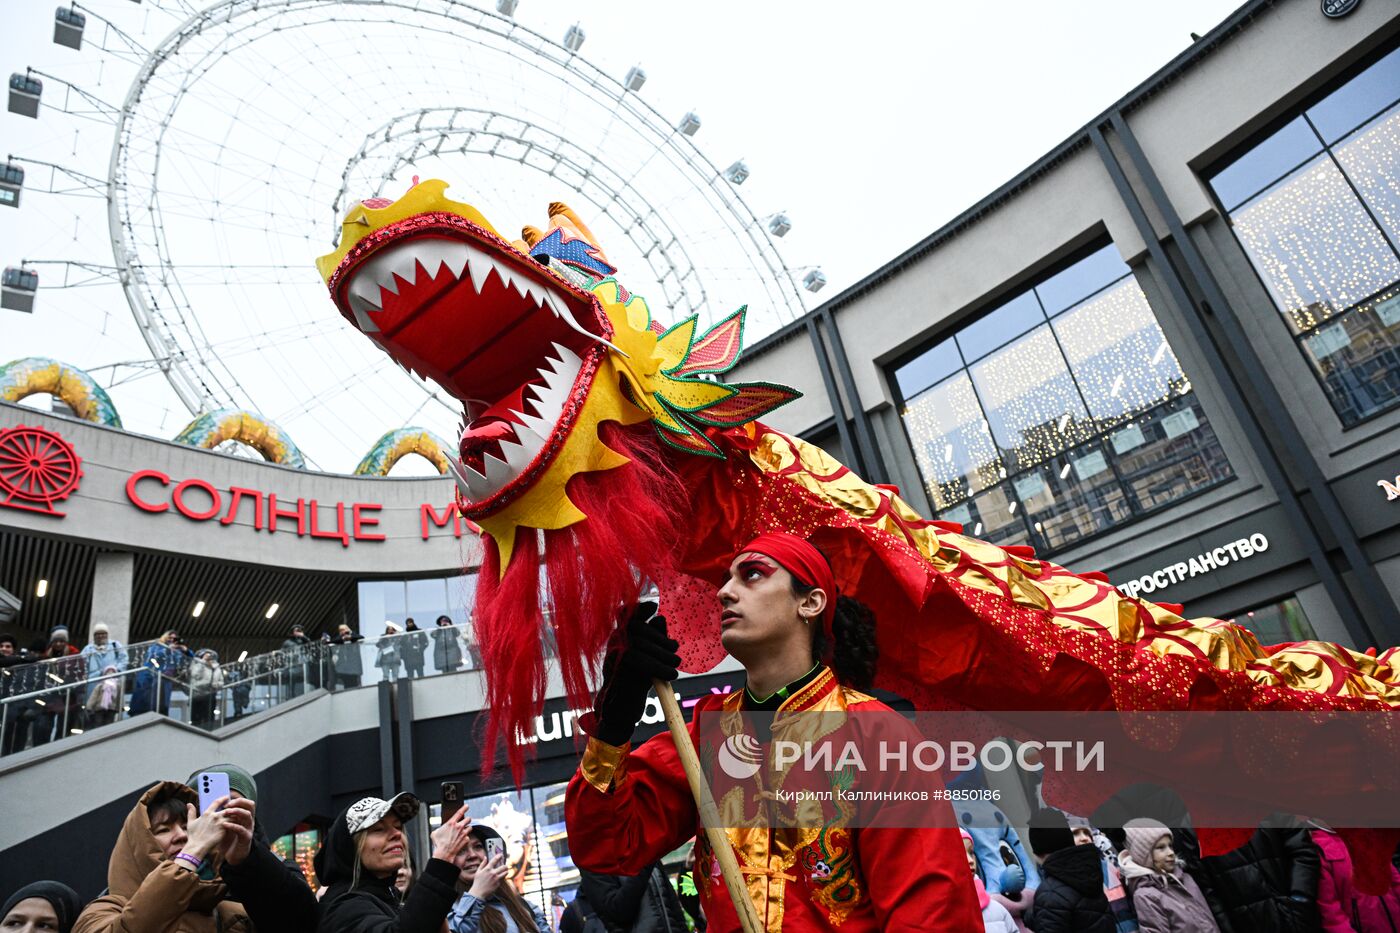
{"type": "Point", "coordinates": [630, 536]}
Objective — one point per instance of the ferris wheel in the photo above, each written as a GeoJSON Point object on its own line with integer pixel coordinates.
{"type": "Point", "coordinates": [249, 128]}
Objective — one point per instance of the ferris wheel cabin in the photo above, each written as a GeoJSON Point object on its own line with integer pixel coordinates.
{"type": "Point", "coordinates": [11, 183]}
{"type": "Point", "coordinates": [68, 26]}
{"type": "Point", "coordinates": [24, 94]}
{"type": "Point", "coordinates": [17, 288]}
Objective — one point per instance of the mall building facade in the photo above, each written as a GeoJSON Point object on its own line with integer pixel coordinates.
{"type": "Point", "coordinates": [1169, 349]}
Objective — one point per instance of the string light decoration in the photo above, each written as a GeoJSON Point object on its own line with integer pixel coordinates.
{"type": "Point", "coordinates": [1120, 358]}
{"type": "Point", "coordinates": [957, 455]}
{"type": "Point", "coordinates": [1330, 260]}
{"type": "Point", "coordinates": [1371, 159]}
{"type": "Point", "coordinates": [1027, 390]}
{"type": "Point", "coordinates": [1314, 245]}
{"type": "Point", "coordinates": [1006, 444]}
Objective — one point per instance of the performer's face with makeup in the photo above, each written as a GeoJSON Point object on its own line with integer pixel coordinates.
{"type": "Point", "coordinates": [758, 608]}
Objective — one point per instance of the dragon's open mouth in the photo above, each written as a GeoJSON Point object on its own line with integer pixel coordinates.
{"type": "Point", "coordinates": [453, 303]}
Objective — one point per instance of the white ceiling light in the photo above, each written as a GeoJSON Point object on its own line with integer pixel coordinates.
{"type": "Point", "coordinates": [198, 609]}
{"type": "Point", "coordinates": [271, 611]}
{"type": "Point", "coordinates": [41, 589]}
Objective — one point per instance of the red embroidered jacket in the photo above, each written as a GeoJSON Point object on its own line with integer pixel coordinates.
{"type": "Point", "coordinates": [625, 809]}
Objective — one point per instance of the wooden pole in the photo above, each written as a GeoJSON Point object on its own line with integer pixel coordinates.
{"type": "Point", "coordinates": [709, 813]}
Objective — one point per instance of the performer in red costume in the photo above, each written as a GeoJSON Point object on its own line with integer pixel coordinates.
{"type": "Point", "coordinates": [804, 650]}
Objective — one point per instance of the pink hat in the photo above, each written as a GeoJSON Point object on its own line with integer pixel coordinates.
{"type": "Point", "coordinates": [965, 834]}
{"type": "Point", "coordinates": [1142, 837]}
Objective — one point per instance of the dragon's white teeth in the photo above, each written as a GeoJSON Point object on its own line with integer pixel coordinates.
{"type": "Point", "coordinates": [472, 483]}
{"type": "Point", "coordinates": [498, 472]}
{"type": "Point", "coordinates": [362, 318]}
{"type": "Point", "coordinates": [540, 427]}
{"type": "Point", "coordinates": [458, 261]}
{"type": "Point", "coordinates": [518, 456]}
{"type": "Point", "coordinates": [433, 254]}
{"type": "Point", "coordinates": [502, 273]}
{"type": "Point", "coordinates": [567, 357]}
{"type": "Point", "coordinates": [479, 266]}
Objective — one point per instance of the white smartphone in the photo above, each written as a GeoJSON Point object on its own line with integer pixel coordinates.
{"type": "Point", "coordinates": [210, 785]}
{"type": "Point", "coordinates": [494, 848]}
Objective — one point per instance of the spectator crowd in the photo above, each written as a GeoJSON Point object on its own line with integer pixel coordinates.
{"type": "Point", "coordinates": [51, 688]}
{"type": "Point", "coordinates": [178, 866]}
{"type": "Point", "coordinates": [175, 866]}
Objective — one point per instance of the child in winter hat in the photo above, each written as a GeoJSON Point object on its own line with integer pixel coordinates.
{"type": "Point", "coordinates": [995, 917]}
{"type": "Point", "coordinates": [1166, 898]}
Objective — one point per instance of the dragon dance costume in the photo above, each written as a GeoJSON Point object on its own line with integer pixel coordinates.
{"type": "Point", "coordinates": [626, 807]}
{"type": "Point", "coordinates": [595, 433]}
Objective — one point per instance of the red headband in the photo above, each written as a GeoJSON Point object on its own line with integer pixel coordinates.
{"type": "Point", "coordinates": [798, 557]}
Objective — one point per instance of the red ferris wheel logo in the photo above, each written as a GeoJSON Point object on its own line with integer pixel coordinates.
{"type": "Point", "coordinates": [37, 469]}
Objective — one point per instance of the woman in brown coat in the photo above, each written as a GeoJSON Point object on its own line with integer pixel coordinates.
{"type": "Point", "coordinates": [175, 871]}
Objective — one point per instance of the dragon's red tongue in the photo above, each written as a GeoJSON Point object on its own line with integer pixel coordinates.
{"type": "Point", "coordinates": [504, 410]}
{"type": "Point", "coordinates": [492, 426]}
{"type": "Point", "coordinates": [488, 429]}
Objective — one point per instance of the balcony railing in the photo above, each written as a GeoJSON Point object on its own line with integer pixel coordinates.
{"type": "Point", "coordinates": [51, 699]}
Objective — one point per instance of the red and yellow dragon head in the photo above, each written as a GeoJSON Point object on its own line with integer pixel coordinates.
{"type": "Point", "coordinates": [539, 343]}
{"type": "Point", "coordinates": [573, 399]}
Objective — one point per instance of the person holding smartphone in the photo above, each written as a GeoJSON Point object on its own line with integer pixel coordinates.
{"type": "Point", "coordinates": [360, 861]}
{"type": "Point", "coordinates": [490, 903]}
{"type": "Point", "coordinates": [175, 868]}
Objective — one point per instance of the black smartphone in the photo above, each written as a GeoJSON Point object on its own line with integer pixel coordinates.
{"type": "Point", "coordinates": [452, 794]}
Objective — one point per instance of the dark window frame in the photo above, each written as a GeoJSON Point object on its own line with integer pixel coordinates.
{"type": "Point", "coordinates": [1326, 151]}
{"type": "Point", "coordinates": [1007, 483]}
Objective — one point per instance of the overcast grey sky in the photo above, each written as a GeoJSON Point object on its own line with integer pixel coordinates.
{"type": "Point", "coordinates": [870, 124]}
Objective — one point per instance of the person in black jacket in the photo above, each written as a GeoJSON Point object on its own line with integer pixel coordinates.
{"type": "Point", "coordinates": [291, 888]}
{"type": "Point", "coordinates": [1269, 883]}
{"type": "Point", "coordinates": [447, 646]}
{"type": "Point", "coordinates": [296, 652]}
{"type": "Point", "coordinates": [413, 646]}
{"type": "Point", "coordinates": [1070, 898]}
{"type": "Point", "coordinates": [644, 903]}
{"type": "Point", "coordinates": [360, 860]}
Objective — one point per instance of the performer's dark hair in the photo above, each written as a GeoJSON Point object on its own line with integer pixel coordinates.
{"type": "Point", "coordinates": [852, 652]}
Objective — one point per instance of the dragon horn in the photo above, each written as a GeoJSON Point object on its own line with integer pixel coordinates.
{"type": "Point", "coordinates": [558, 209]}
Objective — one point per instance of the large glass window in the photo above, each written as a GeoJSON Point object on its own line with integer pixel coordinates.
{"type": "Point", "coordinates": [421, 600]}
{"type": "Point", "coordinates": [1059, 414]}
{"type": "Point", "coordinates": [1316, 207]}
{"type": "Point", "coordinates": [1277, 623]}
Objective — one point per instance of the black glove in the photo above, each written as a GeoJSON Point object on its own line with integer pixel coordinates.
{"type": "Point", "coordinates": [640, 653]}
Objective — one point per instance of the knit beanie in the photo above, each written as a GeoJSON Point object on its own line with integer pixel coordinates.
{"type": "Point", "coordinates": [100, 627]}
{"type": "Point", "coordinates": [59, 631]}
{"type": "Point", "coordinates": [1049, 832]}
{"type": "Point", "coordinates": [238, 780]}
{"type": "Point", "coordinates": [64, 900]}
{"type": "Point", "coordinates": [1143, 836]}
